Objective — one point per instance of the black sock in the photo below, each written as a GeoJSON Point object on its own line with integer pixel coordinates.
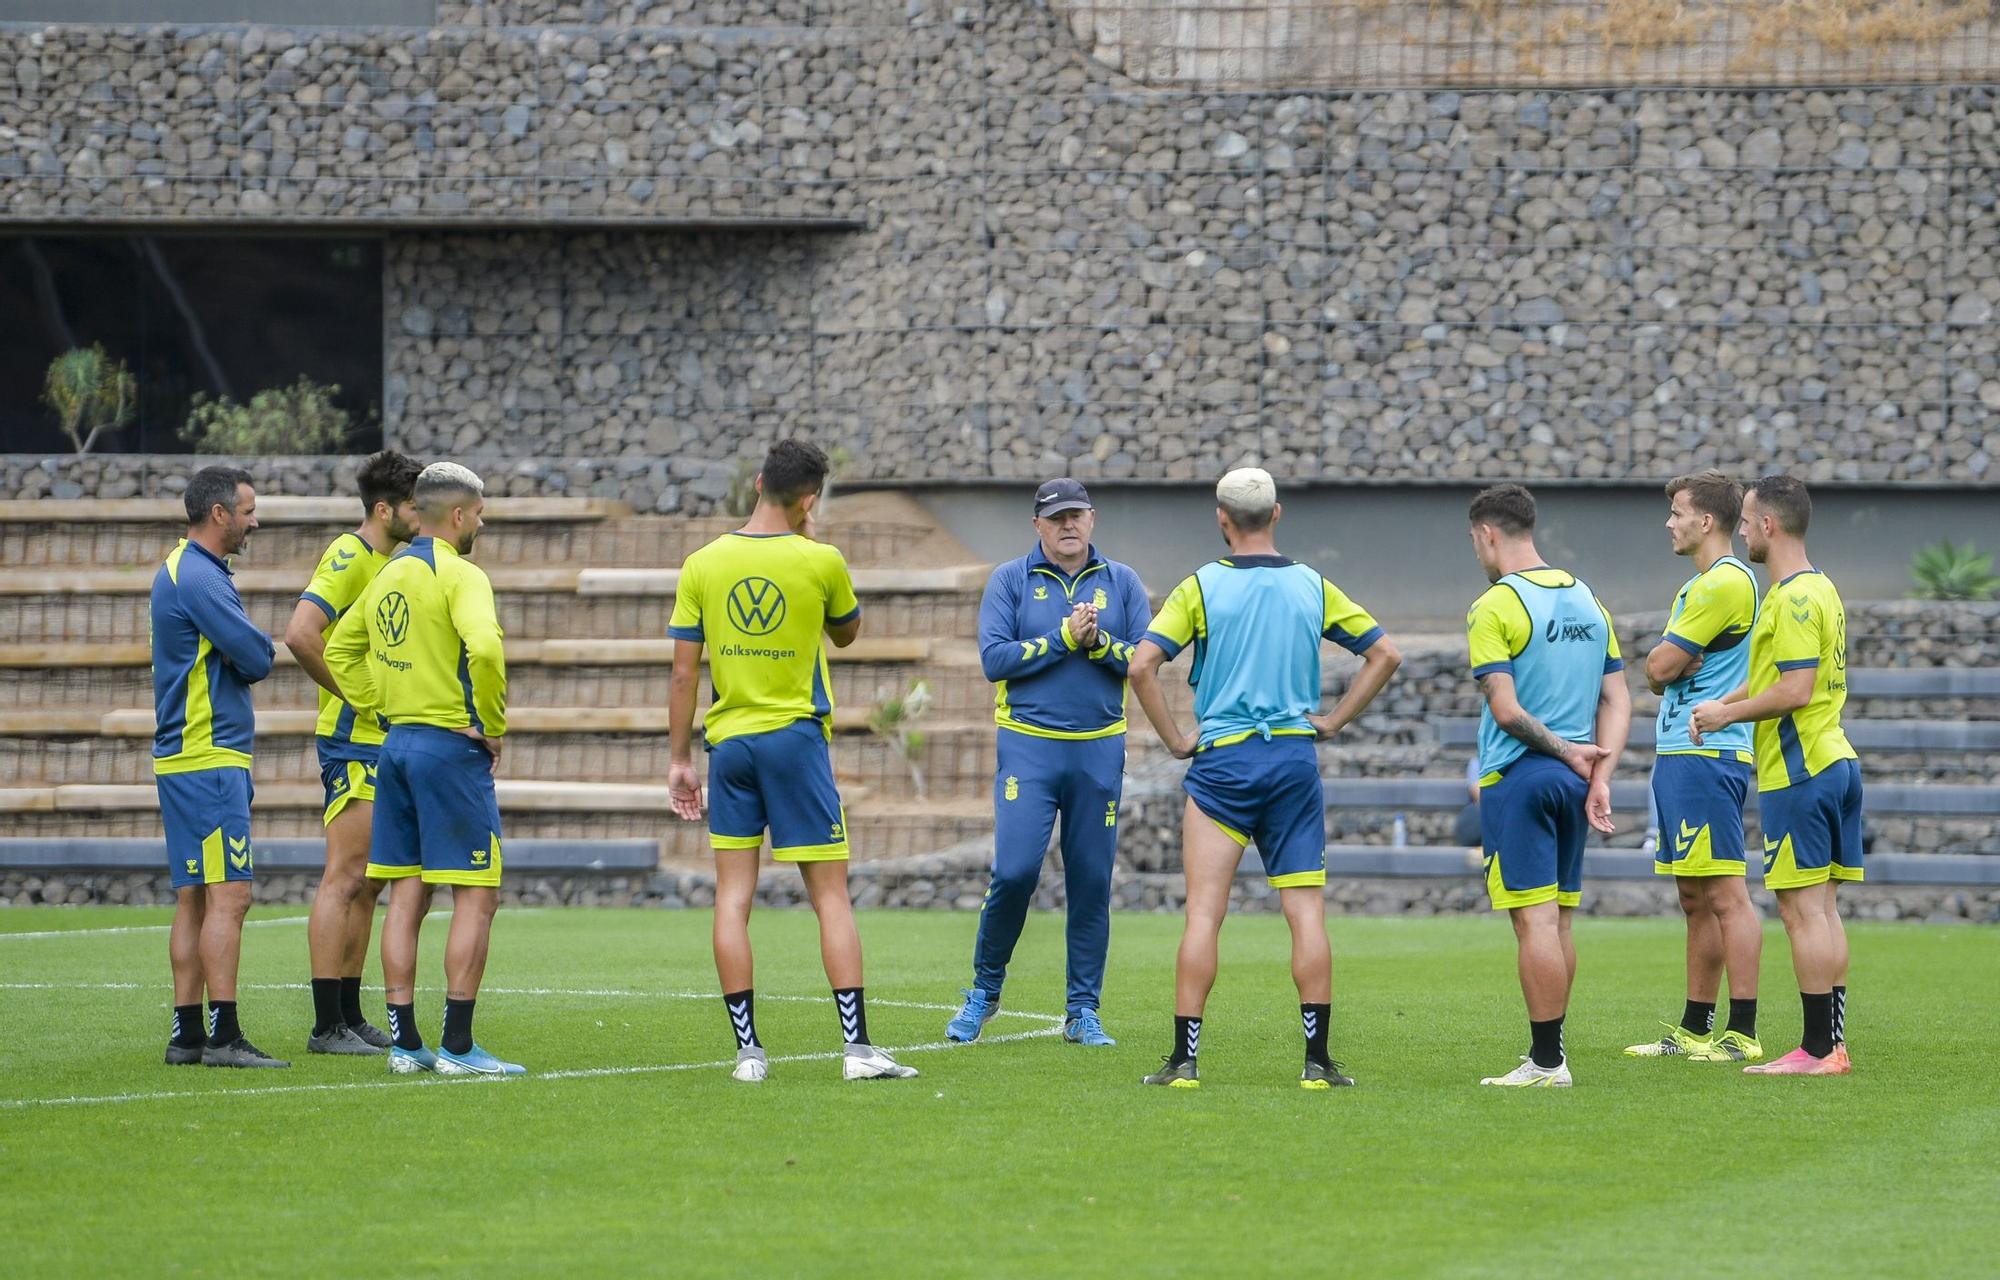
{"type": "Point", "coordinates": [1840, 1015]}
{"type": "Point", "coordinates": [1187, 1039]}
{"type": "Point", "coordinates": [403, 1026]}
{"type": "Point", "coordinates": [742, 1006]}
{"type": "Point", "coordinates": [1743, 1016]}
{"type": "Point", "coordinates": [1548, 1042]}
{"type": "Point", "coordinates": [1313, 1017]}
{"type": "Point", "coordinates": [326, 1005]}
{"type": "Point", "coordinates": [457, 1037]}
{"type": "Point", "coordinates": [1698, 1017]}
{"type": "Point", "coordinates": [350, 1002]}
{"type": "Point", "coordinates": [853, 1014]}
{"type": "Point", "coordinates": [1819, 1022]}
{"type": "Point", "coordinates": [222, 1028]}
{"type": "Point", "coordinates": [188, 1031]}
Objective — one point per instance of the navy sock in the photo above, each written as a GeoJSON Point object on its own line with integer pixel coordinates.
{"type": "Point", "coordinates": [1187, 1039]}
{"type": "Point", "coordinates": [403, 1026]}
{"type": "Point", "coordinates": [1313, 1017]}
{"type": "Point", "coordinates": [853, 1014]}
{"type": "Point", "coordinates": [350, 1002]}
{"type": "Point", "coordinates": [1743, 1016]}
{"type": "Point", "coordinates": [188, 1031]}
{"type": "Point", "coordinates": [742, 1006]}
{"type": "Point", "coordinates": [457, 1037]}
{"type": "Point", "coordinates": [326, 1005]}
{"type": "Point", "coordinates": [1698, 1017]}
{"type": "Point", "coordinates": [222, 1028]}
{"type": "Point", "coordinates": [1818, 1040]}
{"type": "Point", "coordinates": [1547, 1042]}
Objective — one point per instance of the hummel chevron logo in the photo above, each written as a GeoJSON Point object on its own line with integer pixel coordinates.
{"type": "Point", "coordinates": [239, 853]}
{"type": "Point", "coordinates": [1194, 1039]}
{"type": "Point", "coordinates": [340, 560]}
{"type": "Point", "coordinates": [740, 1017]}
{"type": "Point", "coordinates": [850, 1016]}
{"type": "Point", "coordinates": [1312, 1024]}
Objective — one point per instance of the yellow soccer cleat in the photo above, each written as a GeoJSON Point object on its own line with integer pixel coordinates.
{"type": "Point", "coordinates": [1678, 1041]}
{"type": "Point", "coordinates": [1730, 1046]}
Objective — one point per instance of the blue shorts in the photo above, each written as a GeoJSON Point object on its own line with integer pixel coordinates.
{"type": "Point", "coordinates": [782, 780]}
{"type": "Point", "coordinates": [436, 815]}
{"type": "Point", "coordinates": [1267, 790]}
{"type": "Point", "coordinates": [1812, 829]}
{"type": "Point", "coordinates": [1532, 828]}
{"type": "Point", "coordinates": [347, 771]}
{"type": "Point", "coordinates": [207, 816]}
{"type": "Point", "coordinates": [1699, 800]}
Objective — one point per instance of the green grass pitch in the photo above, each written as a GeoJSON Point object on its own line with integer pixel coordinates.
{"type": "Point", "coordinates": [1010, 1158]}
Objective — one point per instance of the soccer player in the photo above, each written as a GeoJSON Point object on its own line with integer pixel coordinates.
{"type": "Point", "coordinates": [1255, 619]}
{"type": "Point", "coordinates": [421, 647]}
{"type": "Point", "coordinates": [1056, 633]}
{"type": "Point", "coordinates": [1808, 776]}
{"type": "Point", "coordinates": [1556, 715]}
{"type": "Point", "coordinates": [1698, 791]}
{"type": "Point", "coordinates": [759, 599]}
{"type": "Point", "coordinates": [343, 911]}
{"type": "Point", "coordinates": [206, 655]}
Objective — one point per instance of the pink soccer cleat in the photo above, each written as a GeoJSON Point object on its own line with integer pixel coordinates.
{"type": "Point", "coordinates": [1800, 1063]}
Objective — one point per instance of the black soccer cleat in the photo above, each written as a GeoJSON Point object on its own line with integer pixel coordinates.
{"type": "Point", "coordinates": [1323, 1075]}
{"type": "Point", "coordinates": [342, 1040]}
{"type": "Point", "coordinates": [1175, 1075]}
{"type": "Point", "coordinates": [239, 1053]}
{"type": "Point", "coordinates": [371, 1034]}
{"type": "Point", "coordinates": [184, 1055]}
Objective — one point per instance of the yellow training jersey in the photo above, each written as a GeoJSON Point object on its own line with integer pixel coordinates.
{"type": "Point", "coordinates": [1803, 624]}
{"type": "Point", "coordinates": [422, 644]}
{"type": "Point", "coordinates": [759, 603]}
{"type": "Point", "coordinates": [344, 572]}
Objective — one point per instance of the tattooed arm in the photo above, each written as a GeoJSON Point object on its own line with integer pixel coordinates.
{"type": "Point", "coordinates": [1498, 689]}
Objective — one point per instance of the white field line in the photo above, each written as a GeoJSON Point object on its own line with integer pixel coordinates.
{"type": "Point", "coordinates": [1052, 1027]}
{"type": "Point", "coordinates": [163, 928]}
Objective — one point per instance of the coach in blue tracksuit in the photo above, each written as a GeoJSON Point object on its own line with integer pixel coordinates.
{"type": "Point", "coordinates": [1056, 631]}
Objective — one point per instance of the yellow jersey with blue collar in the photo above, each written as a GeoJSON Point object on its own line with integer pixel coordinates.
{"type": "Point", "coordinates": [422, 644]}
{"type": "Point", "coordinates": [344, 572]}
{"type": "Point", "coordinates": [206, 655]}
{"type": "Point", "coordinates": [1803, 625]}
{"type": "Point", "coordinates": [760, 604]}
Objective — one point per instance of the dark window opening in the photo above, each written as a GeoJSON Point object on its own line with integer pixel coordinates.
{"type": "Point", "coordinates": [220, 316]}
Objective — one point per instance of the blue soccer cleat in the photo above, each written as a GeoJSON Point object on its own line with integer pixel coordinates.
{"type": "Point", "coordinates": [1084, 1027]}
{"type": "Point", "coordinates": [475, 1062]}
{"type": "Point", "coordinates": [972, 1017]}
{"type": "Point", "coordinates": [410, 1062]}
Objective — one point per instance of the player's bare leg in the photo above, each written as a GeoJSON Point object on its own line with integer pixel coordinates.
{"type": "Point", "coordinates": [735, 890]}
{"type": "Point", "coordinates": [343, 915]}
{"type": "Point", "coordinates": [1209, 856]}
{"type": "Point", "coordinates": [1546, 960]}
{"type": "Point", "coordinates": [184, 954]}
{"type": "Point", "coordinates": [1312, 972]}
{"type": "Point", "coordinates": [1743, 952]}
{"type": "Point", "coordinates": [840, 952]}
{"type": "Point", "coordinates": [221, 950]}
{"type": "Point", "coordinates": [402, 923]}
{"type": "Point", "coordinates": [1818, 958]}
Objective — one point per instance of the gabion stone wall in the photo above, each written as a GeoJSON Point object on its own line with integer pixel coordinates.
{"type": "Point", "coordinates": [1058, 271]}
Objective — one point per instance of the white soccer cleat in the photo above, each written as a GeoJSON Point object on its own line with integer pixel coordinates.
{"type": "Point", "coordinates": [866, 1062]}
{"type": "Point", "coordinates": [1530, 1076]}
{"type": "Point", "coordinates": [751, 1066]}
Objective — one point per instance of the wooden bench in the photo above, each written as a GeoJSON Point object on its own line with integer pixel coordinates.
{"type": "Point", "coordinates": [1866, 735]}
{"type": "Point", "coordinates": [1929, 799]}
{"type": "Point", "coordinates": [137, 722]}
{"type": "Point", "coordinates": [87, 853]}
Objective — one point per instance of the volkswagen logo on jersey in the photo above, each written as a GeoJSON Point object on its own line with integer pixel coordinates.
{"type": "Point", "coordinates": [756, 606]}
{"type": "Point", "coordinates": [392, 618]}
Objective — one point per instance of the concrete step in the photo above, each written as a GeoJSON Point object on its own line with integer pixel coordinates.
{"type": "Point", "coordinates": [889, 529]}
{"type": "Point", "coordinates": [45, 615]}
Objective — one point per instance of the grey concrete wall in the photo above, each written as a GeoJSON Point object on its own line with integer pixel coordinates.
{"type": "Point", "coordinates": [1404, 554]}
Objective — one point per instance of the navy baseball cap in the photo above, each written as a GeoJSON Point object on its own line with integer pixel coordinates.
{"type": "Point", "coordinates": [1059, 495]}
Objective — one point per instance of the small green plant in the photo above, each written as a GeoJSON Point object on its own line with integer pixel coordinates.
{"type": "Point", "coordinates": [894, 721]}
{"type": "Point", "coordinates": [1943, 571]}
{"type": "Point", "coordinates": [90, 393]}
{"type": "Point", "coordinates": [299, 419]}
